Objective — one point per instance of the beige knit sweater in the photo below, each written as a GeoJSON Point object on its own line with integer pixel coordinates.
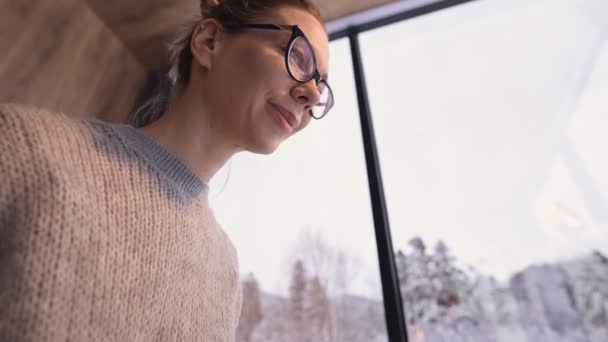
{"type": "Point", "coordinates": [106, 236]}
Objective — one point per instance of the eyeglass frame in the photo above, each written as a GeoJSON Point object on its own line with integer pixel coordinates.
{"type": "Point", "coordinates": [296, 32]}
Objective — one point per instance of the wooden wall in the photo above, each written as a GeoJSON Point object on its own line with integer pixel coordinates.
{"type": "Point", "coordinates": [88, 57]}
{"type": "Point", "coordinates": [147, 25]}
{"type": "Point", "coordinates": [59, 55]}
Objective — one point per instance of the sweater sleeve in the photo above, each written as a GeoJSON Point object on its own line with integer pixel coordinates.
{"type": "Point", "coordinates": [22, 190]}
{"type": "Point", "coordinates": [18, 182]}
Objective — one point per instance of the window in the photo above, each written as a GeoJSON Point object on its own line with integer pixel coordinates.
{"type": "Point", "coordinates": [491, 121]}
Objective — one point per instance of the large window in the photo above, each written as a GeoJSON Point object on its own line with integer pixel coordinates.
{"type": "Point", "coordinates": [491, 120]}
{"type": "Point", "coordinates": [301, 222]}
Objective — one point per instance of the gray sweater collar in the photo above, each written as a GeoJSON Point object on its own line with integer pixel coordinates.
{"type": "Point", "coordinates": [164, 161]}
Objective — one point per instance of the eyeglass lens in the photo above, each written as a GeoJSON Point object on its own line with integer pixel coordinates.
{"type": "Point", "coordinates": [302, 67]}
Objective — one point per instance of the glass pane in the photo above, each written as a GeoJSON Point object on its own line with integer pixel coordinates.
{"type": "Point", "coordinates": [301, 221]}
{"type": "Point", "coordinates": [492, 120]}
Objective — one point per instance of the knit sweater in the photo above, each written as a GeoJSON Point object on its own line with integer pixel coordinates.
{"type": "Point", "coordinates": [106, 236]}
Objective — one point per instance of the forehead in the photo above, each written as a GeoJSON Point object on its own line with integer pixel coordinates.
{"type": "Point", "coordinates": [311, 27]}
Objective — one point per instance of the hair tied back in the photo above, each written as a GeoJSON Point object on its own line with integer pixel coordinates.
{"type": "Point", "coordinates": [207, 5]}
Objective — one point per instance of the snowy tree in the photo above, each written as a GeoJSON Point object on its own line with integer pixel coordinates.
{"type": "Point", "coordinates": [333, 269]}
{"type": "Point", "coordinates": [497, 310]}
{"type": "Point", "coordinates": [319, 313]}
{"type": "Point", "coordinates": [438, 296]}
{"type": "Point", "coordinates": [595, 280]}
{"type": "Point", "coordinates": [589, 287]}
{"type": "Point", "coordinates": [251, 312]}
{"type": "Point", "coordinates": [330, 264]}
{"type": "Point", "coordinates": [298, 302]}
{"type": "Point", "coordinates": [452, 286]}
{"type": "Point", "coordinates": [415, 282]}
{"type": "Point", "coordinates": [450, 282]}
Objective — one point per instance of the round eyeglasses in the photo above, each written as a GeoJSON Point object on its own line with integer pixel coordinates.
{"type": "Point", "coordinates": [301, 64]}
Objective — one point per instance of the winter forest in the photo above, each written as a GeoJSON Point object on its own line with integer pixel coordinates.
{"type": "Point", "coordinates": [443, 301]}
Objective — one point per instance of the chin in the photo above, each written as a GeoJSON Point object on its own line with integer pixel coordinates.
{"type": "Point", "coordinates": [264, 148]}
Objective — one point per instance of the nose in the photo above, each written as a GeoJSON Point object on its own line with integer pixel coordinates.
{"type": "Point", "coordinates": [306, 94]}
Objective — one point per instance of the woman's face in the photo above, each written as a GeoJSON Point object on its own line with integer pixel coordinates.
{"type": "Point", "coordinates": [255, 102]}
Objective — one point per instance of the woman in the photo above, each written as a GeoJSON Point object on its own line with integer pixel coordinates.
{"type": "Point", "coordinates": [105, 231]}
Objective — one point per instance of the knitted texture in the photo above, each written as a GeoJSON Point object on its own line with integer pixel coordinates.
{"type": "Point", "coordinates": [106, 236]}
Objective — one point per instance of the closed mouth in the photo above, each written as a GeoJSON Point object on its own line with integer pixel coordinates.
{"type": "Point", "coordinates": [291, 118]}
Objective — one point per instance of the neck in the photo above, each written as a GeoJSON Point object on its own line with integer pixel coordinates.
{"type": "Point", "coordinates": [186, 129]}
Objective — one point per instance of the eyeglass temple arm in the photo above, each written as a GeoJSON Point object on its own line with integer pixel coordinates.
{"type": "Point", "coordinates": [262, 26]}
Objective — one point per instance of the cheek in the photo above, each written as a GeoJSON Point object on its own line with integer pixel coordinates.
{"type": "Point", "coordinates": [254, 77]}
{"type": "Point", "coordinates": [239, 81]}
{"type": "Point", "coordinates": [257, 63]}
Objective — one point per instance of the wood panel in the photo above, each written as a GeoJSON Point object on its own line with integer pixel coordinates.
{"type": "Point", "coordinates": [59, 55]}
{"type": "Point", "coordinates": [337, 9]}
{"type": "Point", "coordinates": [146, 26]}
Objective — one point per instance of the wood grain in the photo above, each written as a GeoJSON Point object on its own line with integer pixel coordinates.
{"type": "Point", "coordinates": [146, 26]}
{"type": "Point", "coordinates": [60, 55]}
{"type": "Point", "coordinates": [89, 57]}
{"type": "Point", "coordinates": [336, 9]}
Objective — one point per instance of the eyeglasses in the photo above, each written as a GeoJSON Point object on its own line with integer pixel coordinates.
{"type": "Point", "coordinates": [301, 64]}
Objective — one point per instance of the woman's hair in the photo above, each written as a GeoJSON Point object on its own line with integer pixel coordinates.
{"type": "Point", "coordinates": [169, 85]}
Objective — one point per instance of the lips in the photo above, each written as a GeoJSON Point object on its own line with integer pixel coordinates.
{"type": "Point", "coordinates": [290, 117]}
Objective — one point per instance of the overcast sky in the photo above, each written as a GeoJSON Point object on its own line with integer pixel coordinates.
{"type": "Point", "coordinates": [490, 120]}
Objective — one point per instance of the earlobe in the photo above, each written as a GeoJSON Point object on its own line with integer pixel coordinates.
{"type": "Point", "coordinates": [205, 41]}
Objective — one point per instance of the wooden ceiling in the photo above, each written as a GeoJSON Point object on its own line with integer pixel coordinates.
{"type": "Point", "coordinates": [145, 26]}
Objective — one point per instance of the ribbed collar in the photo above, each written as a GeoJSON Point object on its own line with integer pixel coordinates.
{"type": "Point", "coordinates": [166, 162]}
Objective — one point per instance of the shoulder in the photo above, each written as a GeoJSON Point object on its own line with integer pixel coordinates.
{"type": "Point", "coordinates": [31, 122]}
{"type": "Point", "coordinates": [24, 132]}
{"type": "Point", "coordinates": [41, 127]}
{"type": "Point", "coordinates": [37, 135]}
{"type": "Point", "coordinates": [18, 111]}
{"type": "Point", "coordinates": [52, 149]}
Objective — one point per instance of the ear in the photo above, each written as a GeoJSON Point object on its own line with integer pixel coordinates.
{"type": "Point", "coordinates": [205, 41]}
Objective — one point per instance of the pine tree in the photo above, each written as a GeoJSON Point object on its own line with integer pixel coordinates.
{"type": "Point", "coordinates": [297, 302]}
{"type": "Point", "coordinates": [592, 294]}
{"type": "Point", "coordinates": [452, 285]}
{"type": "Point", "coordinates": [251, 312]}
{"type": "Point", "coordinates": [319, 315]}
{"type": "Point", "coordinates": [431, 284]}
{"type": "Point", "coordinates": [415, 282]}
{"type": "Point", "coordinates": [404, 276]}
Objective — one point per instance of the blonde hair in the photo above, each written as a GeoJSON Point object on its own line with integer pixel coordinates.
{"type": "Point", "coordinates": [177, 78]}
